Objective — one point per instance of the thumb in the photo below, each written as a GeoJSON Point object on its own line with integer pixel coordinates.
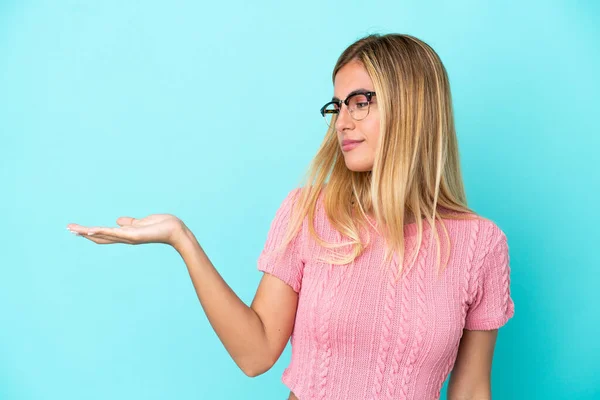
{"type": "Point", "coordinates": [125, 221]}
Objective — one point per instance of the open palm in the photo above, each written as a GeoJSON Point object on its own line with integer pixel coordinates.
{"type": "Point", "coordinates": [155, 228]}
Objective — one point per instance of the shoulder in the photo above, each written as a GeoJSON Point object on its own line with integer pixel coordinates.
{"type": "Point", "coordinates": [313, 212]}
{"type": "Point", "coordinates": [295, 205]}
{"type": "Point", "coordinates": [490, 234]}
{"type": "Point", "coordinates": [475, 237]}
{"type": "Point", "coordinates": [488, 248]}
{"type": "Point", "coordinates": [294, 195]}
{"type": "Point", "coordinates": [483, 231]}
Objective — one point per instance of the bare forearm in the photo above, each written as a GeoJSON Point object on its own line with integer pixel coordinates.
{"type": "Point", "coordinates": [237, 325]}
{"type": "Point", "coordinates": [482, 397]}
{"type": "Point", "coordinates": [459, 388]}
{"type": "Point", "coordinates": [478, 395]}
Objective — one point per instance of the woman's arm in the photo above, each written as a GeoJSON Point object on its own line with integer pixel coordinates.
{"type": "Point", "coordinates": [254, 336]}
{"type": "Point", "coordinates": [471, 376]}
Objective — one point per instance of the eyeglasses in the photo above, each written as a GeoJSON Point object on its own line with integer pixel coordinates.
{"type": "Point", "coordinates": [358, 104]}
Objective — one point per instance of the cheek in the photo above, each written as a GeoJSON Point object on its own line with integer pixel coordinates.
{"type": "Point", "coordinates": [371, 131]}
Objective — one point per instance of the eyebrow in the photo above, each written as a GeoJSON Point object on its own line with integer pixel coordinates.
{"type": "Point", "coordinates": [351, 93]}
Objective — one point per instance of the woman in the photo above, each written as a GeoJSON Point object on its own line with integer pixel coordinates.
{"type": "Point", "coordinates": [376, 302]}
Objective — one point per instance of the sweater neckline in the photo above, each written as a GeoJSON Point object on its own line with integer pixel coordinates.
{"type": "Point", "coordinates": [410, 229]}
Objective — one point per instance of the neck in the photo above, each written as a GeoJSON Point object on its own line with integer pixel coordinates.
{"type": "Point", "coordinates": [408, 218]}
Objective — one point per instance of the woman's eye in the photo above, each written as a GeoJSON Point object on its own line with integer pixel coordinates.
{"type": "Point", "coordinates": [361, 105]}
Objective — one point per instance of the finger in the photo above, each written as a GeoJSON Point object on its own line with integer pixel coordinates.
{"type": "Point", "coordinates": [123, 234]}
{"type": "Point", "coordinates": [101, 239]}
{"type": "Point", "coordinates": [77, 228]}
{"type": "Point", "coordinates": [125, 221]}
{"type": "Point", "coordinates": [84, 230]}
{"type": "Point", "coordinates": [116, 235]}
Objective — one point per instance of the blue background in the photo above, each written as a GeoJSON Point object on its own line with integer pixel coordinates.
{"type": "Point", "coordinates": [209, 111]}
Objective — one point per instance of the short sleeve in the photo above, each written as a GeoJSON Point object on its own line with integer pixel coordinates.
{"type": "Point", "coordinates": [286, 264]}
{"type": "Point", "coordinates": [492, 305]}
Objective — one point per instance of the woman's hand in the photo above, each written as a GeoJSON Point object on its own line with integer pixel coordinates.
{"type": "Point", "coordinates": [156, 228]}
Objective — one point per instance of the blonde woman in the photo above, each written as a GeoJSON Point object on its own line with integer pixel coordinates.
{"type": "Point", "coordinates": [377, 270]}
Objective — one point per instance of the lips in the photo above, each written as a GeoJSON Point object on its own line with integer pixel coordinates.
{"type": "Point", "coordinates": [348, 144]}
{"type": "Point", "coordinates": [348, 141]}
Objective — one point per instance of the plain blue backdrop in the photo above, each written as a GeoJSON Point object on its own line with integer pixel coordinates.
{"type": "Point", "coordinates": [209, 111]}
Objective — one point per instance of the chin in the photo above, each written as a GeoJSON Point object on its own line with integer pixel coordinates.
{"type": "Point", "coordinates": [358, 166]}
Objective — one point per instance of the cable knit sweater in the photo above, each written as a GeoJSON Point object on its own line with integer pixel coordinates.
{"type": "Point", "coordinates": [358, 335]}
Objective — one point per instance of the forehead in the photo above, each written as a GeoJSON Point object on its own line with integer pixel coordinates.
{"type": "Point", "coordinates": [350, 77]}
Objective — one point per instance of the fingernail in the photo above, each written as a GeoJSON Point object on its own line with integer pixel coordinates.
{"type": "Point", "coordinates": [90, 233]}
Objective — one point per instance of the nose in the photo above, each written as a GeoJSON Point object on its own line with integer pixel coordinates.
{"type": "Point", "coordinates": [344, 120]}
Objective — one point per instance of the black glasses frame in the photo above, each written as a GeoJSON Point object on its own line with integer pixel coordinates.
{"type": "Point", "coordinates": [369, 96]}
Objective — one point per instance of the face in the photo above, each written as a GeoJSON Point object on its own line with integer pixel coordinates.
{"type": "Point", "coordinates": [357, 139]}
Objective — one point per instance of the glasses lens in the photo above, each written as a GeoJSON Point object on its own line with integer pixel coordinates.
{"type": "Point", "coordinates": [331, 113]}
{"type": "Point", "coordinates": [358, 106]}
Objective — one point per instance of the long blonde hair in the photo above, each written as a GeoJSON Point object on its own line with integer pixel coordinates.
{"type": "Point", "coordinates": [416, 169]}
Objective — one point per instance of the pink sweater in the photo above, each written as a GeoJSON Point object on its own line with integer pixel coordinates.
{"type": "Point", "coordinates": [359, 336]}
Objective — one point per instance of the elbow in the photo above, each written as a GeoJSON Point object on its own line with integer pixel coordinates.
{"type": "Point", "coordinates": [254, 368]}
{"type": "Point", "coordinates": [253, 373]}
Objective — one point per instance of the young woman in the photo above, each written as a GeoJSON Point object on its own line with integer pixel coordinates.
{"type": "Point", "coordinates": [377, 270]}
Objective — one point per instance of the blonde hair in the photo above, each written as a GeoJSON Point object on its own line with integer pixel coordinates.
{"type": "Point", "coordinates": [416, 169]}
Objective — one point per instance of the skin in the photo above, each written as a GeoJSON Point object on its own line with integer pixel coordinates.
{"type": "Point", "coordinates": [351, 77]}
{"type": "Point", "coordinates": [256, 335]}
{"type": "Point", "coordinates": [471, 376]}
